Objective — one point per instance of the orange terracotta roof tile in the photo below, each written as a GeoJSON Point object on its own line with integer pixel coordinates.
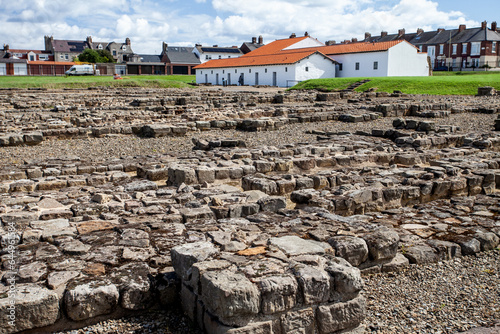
{"type": "Point", "coordinates": [279, 58]}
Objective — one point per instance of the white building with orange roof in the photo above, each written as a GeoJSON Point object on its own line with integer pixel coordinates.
{"type": "Point", "coordinates": [286, 62]}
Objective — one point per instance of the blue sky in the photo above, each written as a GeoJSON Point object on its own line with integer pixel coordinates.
{"type": "Point", "coordinates": [148, 23]}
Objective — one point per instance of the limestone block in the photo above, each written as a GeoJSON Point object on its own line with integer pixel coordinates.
{"type": "Point", "coordinates": [346, 280]}
{"type": "Point", "coordinates": [445, 250]}
{"type": "Point", "coordinates": [352, 249]}
{"type": "Point", "coordinates": [382, 245]}
{"type": "Point", "coordinates": [254, 328]}
{"type": "Point", "coordinates": [300, 321]}
{"type": "Point", "coordinates": [141, 186]}
{"type": "Point", "coordinates": [272, 203]}
{"type": "Point", "coordinates": [53, 228]}
{"type": "Point", "coordinates": [184, 256]}
{"type": "Point", "coordinates": [31, 272]}
{"type": "Point", "coordinates": [340, 316]}
{"type": "Point", "coordinates": [87, 300]}
{"type": "Point", "coordinates": [179, 175]}
{"type": "Point", "coordinates": [279, 293]}
{"type": "Point", "coordinates": [229, 296]}
{"type": "Point", "coordinates": [421, 254]}
{"type": "Point", "coordinates": [488, 240]}
{"type": "Point", "coordinates": [35, 307]}
{"type": "Point", "coordinates": [293, 246]}
{"type": "Point", "coordinates": [314, 283]}
{"type": "Point", "coordinates": [134, 285]}
{"type": "Point", "coordinates": [199, 268]}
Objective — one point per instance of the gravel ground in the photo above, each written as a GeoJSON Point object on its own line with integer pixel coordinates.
{"type": "Point", "coordinates": [98, 149]}
{"type": "Point", "coordinates": [445, 297]}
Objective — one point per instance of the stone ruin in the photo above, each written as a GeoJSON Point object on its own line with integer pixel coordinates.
{"type": "Point", "coordinates": [247, 239]}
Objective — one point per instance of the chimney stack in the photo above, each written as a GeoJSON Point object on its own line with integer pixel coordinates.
{"type": "Point", "coordinates": [254, 40]}
{"type": "Point", "coordinates": [440, 30]}
{"type": "Point", "coordinates": [293, 35]}
{"type": "Point", "coordinates": [383, 34]}
{"type": "Point", "coordinates": [261, 40]}
{"type": "Point", "coordinates": [367, 35]}
{"type": "Point", "coordinates": [484, 25]}
{"type": "Point", "coordinates": [89, 41]}
{"type": "Point", "coordinates": [462, 27]}
{"type": "Point", "coordinates": [6, 47]}
{"type": "Point", "coordinates": [328, 43]}
{"type": "Point", "coordinates": [306, 34]}
{"type": "Point", "coordinates": [420, 31]}
{"type": "Point", "coordinates": [401, 32]}
{"type": "Point", "coordinates": [346, 41]}
{"type": "Point", "coordinates": [354, 40]}
{"type": "Point", "coordinates": [494, 25]}
{"type": "Point", "coordinates": [127, 41]}
{"type": "Point", "coordinates": [164, 47]}
{"type": "Point", "coordinates": [215, 46]}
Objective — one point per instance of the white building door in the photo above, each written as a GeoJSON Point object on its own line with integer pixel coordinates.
{"type": "Point", "coordinates": [431, 52]}
{"type": "Point", "coordinates": [275, 79]}
{"type": "Point", "coordinates": [3, 69]}
{"type": "Point", "coordinates": [256, 78]}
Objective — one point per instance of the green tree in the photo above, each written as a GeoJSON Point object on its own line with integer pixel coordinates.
{"type": "Point", "coordinates": [96, 56]}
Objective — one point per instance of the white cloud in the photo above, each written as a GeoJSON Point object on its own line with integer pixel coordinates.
{"type": "Point", "coordinates": [23, 23]}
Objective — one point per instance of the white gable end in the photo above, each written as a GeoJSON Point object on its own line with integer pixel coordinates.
{"type": "Point", "coordinates": [305, 43]}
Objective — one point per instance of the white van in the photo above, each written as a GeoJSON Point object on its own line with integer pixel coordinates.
{"type": "Point", "coordinates": [81, 70]}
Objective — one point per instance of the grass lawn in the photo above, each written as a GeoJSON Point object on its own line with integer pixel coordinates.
{"type": "Point", "coordinates": [153, 81]}
{"type": "Point", "coordinates": [444, 83]}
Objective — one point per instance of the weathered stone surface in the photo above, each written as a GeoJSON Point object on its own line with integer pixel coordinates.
{"type": "Point", "coordinates": [293, 245]}
{"type": "Point", "coordinates": [35, 307]}
{"type": "Point", "coordinates": [278, 293]}
{"type": "Point", "coordinates": [352, 249]}
{"type": "Point", "coordinates": [87, 300]}
{"type": "Point", "coordinates": [340, 316]}
{"type": "Point", "coordinates": [421, 254]}
{"type": "Point", "coordinates": [300, 321]}
{"type": "Point", "coordinates": [314, 283]}
{"type": "Point", "coordinates": [346, 281]}
{"type": "Point", "coordinates": [382, 245]}
{"type": "Point", "coordinates": [232, 297]}
{"type": "Point", "coordinates": [184, 256]}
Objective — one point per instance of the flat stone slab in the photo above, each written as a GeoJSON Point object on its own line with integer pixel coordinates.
{"type": "Point", "coordinates": [293, 245]}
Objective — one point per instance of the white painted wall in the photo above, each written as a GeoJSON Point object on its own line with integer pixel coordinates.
{"type": "Point", "coordinates": [286, 75]}
{"type": "Point", "coordinates": [215, 55]}
{"type": "Point", "coordinates": [365, 61]}
{"type": "Point", "coordinates": [3, 69]}
{"type": "Point", "coordinates": [405, 60]}
{"type": "Point", "coordinates": [305, 43]}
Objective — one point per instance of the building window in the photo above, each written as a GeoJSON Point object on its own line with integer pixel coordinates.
{"type": "Point", "coordinates": [207, 57]}
{"type": "Point", "coordinates": [454, 49]}
{"type": "Point", "coordinates": [441, 49]}
{"type": "Point", "coordinates": [220, 56]}
{"type": "Point", "coordinates": [235, 71]}
{"type": "Point", "coordinates": [201, 72]}
{"type": "Point", "coordinates": [114, 52]}
{"type": "Point", "coordinates": [307, 69]}
{"type": "Point", "coordinates": [223, 71]}
{"type": "Point", "coordinates": [229, 56]}
{"type": "Point", "coordinates": [420, 48]}
{"type": "Point", "coordinates": [494, 47]}
{"type": "Point", "coordinates": [340, 67]}
{"type": "Point", "coordinates": [375, 65]}
{"type": "Point", "coordinates": [61, 56]}
{"type": "Point", "coordinates": [464, 48]}
{"type": "Point", "coordinates": [32, 58]}
{"type": "Point", "coordinates": [454, 62]}
{"type": "Point", "coordinates": [100, 47]}
{"type": "Point", "coordinates": [212, 72]}
{"type": "Point", "coordinates": [265, 70]}
{"type": "Point", "coordinates": [66, 56]}
{"type": "Point", "coordinates": [249, 70]}
{"type": "Point", "coordinates": [475, 48]}
{"type": "Point", "coordinates": [475, 62]}
{"type": "Point", "coordinates": [357, 66]}
{"type": "Point", "coordinates": [286, 69]}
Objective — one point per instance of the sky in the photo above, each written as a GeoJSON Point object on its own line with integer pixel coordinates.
{"type": "Point", "coordinates": [148, 23]}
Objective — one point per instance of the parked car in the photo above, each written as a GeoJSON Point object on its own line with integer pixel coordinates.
{"type": "Point", "coordinates": [81, 70]}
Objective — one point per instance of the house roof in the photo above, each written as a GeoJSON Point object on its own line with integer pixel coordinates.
{"type": "Point", "coordinates": [250, 46]}
{"type": "Point", "coordinates": [216, 49]}
{"type": "Point", "coordinates": [12, 60]}
{"type": "Point", "coordinates": [274, 53]}
{"type": "Point", "coordinates": [150, 58]}
{"type": "Point", "coordinates": [181, 55]}
{"type": "Point", "coordinates": [61, 45]}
